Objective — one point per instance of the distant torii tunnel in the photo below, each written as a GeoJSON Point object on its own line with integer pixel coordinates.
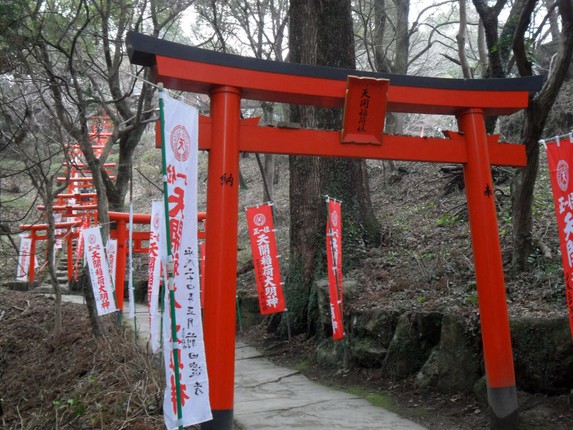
{"type": "Point", "coordinates": [229, 78]}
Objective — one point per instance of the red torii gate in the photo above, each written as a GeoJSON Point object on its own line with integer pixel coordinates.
{"type": "Point", "coordinates": [121, 234]}
{"type": "Point", "coordinates": [34, 229]}
{"type": "Point", "coordinates": [229, 78]}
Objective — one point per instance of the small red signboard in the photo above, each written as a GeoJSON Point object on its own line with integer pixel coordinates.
{"type": "Point", "coordinates": [364, 110]}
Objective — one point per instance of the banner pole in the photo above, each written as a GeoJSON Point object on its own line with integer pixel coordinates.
{"type": "Point", "coordinates": [130, 247]}
{"type": "Point", "coordinates": [169, 267]}
{"type": "Point", "coordinates": [239, 315]}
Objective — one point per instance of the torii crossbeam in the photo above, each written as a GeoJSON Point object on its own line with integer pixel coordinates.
{"type": "Point", "coordinates": [229, 78]}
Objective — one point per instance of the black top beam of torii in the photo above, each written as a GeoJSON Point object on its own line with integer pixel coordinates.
{"type": "Point", "coordinates": [188, 68]}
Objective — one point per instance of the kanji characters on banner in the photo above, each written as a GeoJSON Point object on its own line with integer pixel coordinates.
{"type": "Point", "coordinates": [202, 255]}
{"type": "Point", "coordinates": [265, 259]}
{"type": "Point", "coordinates": [80, 245]}
{"type": "Point", "coordinates": [24, 258]}
{"type": "Point", "coordinates": [154, 274]}
{"type": "Point", "coordinates": [334, 265]}
{"type": "Point", "coordinates": [99, 271]}
{"type": "Point", "coordinates": [180, 131]}
{"type": "Point", "coordinates": [560, 159]}
{"type": "Point", "coordinates": [59, 242]}
{"type": "Point", "coordinates": [111, 248]}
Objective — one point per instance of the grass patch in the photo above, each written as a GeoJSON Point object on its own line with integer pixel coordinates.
{"type": "Point", "coordinates": [303, 365]}
{"type": "Point", "coordinates": [381, 399]}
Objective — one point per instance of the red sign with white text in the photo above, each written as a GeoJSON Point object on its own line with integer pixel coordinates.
{"type": "Point", "coordinates": [265, 259]}
{"type": "Point", "coordinates": [560, 159]}
{"type": "Point", "coordinates": [334, 264]}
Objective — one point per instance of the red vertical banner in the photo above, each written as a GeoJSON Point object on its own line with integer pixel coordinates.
{"type": "Point", "coordinates": [265, 259]}
{"type": "Point", "coordinates": [334, 264]}
{"type": "Point", "coordinates": [560, 159]}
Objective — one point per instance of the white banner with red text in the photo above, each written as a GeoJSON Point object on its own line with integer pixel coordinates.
{"type": "Point", "coordinates": [99, 271]}
{"type": "Point", "coordinates": [111, 248]}
{"type": "Point", "coordinates": [80, 246]}
{"type": "Point", "coordinates": [154, 274]}
{"type": "Point", "coordinates": [181, 127]}
{"type": "Point", "coordinates": [24, 258]}
{"type": "Point", "coordinates": [265, 259]}
{"type": "Point", "coordinates": [560, 160]}
{"type": "Point", "coordinates": [334, 265]}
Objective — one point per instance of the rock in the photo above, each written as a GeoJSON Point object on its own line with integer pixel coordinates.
{"type": "Point", "coordinates": [367, 353]}
{"type": "Point", "coordinates": [543, 354]}
{"type": "Point", "coordinates": [377, 324]}
{"type": "Point", "coordinates": [480, 390]}
{"type": "Point", "coordinates": [371, 332]}
{"type": "Point", "coordinates": [48, 289]}
{"type": "Point", "coordinates": [250, 313]}
{"type": "Point", "coordinates": [350, 288]}
{"type": "Point", "coordinates": [330, 354]}
{"type": "Point", "coordinates": [15, 285]}
{"type": "Point", "coordinates": [415, 336]}
{"type": "Point", "coordinates": [454, 365]}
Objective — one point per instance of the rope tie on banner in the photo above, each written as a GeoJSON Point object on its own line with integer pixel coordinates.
{"type": "Point", "coordinates": [160, 87]}
{"type": "Point", "coordinates": [327, 197]}
{"type": "Point", "coordinates": [557, 139]}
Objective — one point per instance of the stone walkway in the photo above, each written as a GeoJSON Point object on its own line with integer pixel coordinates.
{"type": "Point", "coordinates": [272, 397]}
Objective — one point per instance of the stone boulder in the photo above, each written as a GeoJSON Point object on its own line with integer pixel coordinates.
{"type": "Point", "coordinates": [414, 338]}
{"type": "Point", "coordinates": [455, 364]}
{"type": "Point", "coordinates": [543, 354]}
{"type": "Point", "coordinates": [371, 332]}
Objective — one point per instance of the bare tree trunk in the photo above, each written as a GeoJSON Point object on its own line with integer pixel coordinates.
{"type": "Point", "coordinates": [269, 168]}
{"type": "Point", "coordinates": [461, 41]}
{"type": "Point", "coordinates": [536, 115]}
{"type": "Point", "coordinates": [321, 33]}
{"type": "Point", "coordinates": [51, 245]}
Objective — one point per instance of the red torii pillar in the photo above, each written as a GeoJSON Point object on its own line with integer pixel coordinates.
{"type": "Point", "coordinates": [228, 78]}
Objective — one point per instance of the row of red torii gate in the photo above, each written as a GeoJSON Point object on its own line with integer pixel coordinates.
{"type": "Point", "coordinates": [75, 210]}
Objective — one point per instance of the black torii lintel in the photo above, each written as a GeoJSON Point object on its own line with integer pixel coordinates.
{"type": "Point", "coordinates": [143, 50]}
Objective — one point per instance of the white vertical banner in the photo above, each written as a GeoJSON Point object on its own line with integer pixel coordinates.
{"type": "Point", "coordinates": [24, 258]}
{"type": "Point", "coordinates": [111, 247]}
{"type": "Point", "coordinates": [154, 273]}
{"type": "Point", "coordinates": [59, 242]}
{"type": "Point", "coordinates": [181, 127]}
{"type": "Point", "coordinates": [99, 271]}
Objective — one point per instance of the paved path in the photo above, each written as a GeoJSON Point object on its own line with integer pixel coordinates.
{"type": "Point", "coordinates": [272, 397]}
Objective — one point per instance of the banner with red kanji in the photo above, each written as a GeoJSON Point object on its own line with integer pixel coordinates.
{"type": "Point", "coordinates": [24, 258]}
{"type": "Point", "coordinates": [334, 265]}
{"type": "Point", "coordinates": [202, 255]}
{"type": "Point", "coordinates": [99, 271]}
{"type": "Point", "coordinates": [560, 159]}
{"type": "Point", "coordinates": [265, 259]}
{"type": "Point", "coordinates": [154, 273]}
{"type": "Point", "coordinates": [111, 248]}
{"type": "Point", "coordinates": [80, 245]}
{"type": "Point", "coordinates": [181, 128]}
